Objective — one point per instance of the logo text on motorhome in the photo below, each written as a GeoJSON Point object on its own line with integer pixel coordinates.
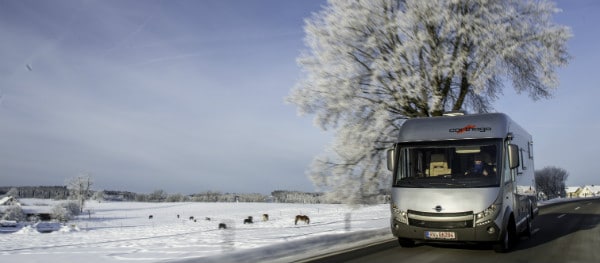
{"type": "Point", "coordinates": [470, 128]}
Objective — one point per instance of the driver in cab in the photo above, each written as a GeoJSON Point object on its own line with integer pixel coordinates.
{"type": "Point", "coordinates": [479, 167]}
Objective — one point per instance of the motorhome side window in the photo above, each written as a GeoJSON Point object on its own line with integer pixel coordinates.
{"type": "Point", "coordinates": [449, 165]}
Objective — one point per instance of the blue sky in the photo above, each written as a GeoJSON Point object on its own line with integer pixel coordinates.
{"type": "Point", "coordinates": [565, 128]}
{"type": "Point", "coordinates": [188, 96]}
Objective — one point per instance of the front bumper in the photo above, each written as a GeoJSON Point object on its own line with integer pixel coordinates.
{"type": "Point", "coordinates": [489, 232]}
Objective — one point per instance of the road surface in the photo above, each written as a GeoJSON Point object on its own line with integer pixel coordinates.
{"type": "Point", "coordinates": [563, 232]}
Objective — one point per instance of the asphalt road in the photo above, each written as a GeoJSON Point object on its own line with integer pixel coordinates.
{"type": "Point", "coordinates": [564, 232]}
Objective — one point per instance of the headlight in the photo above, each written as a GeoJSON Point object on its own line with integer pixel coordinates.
{"type": "Point", "coordinates": [487, 215]}
{"type": "Point", "coordinates": [399, 215]}
{"type": "Point", "coordinates": [487, 212]}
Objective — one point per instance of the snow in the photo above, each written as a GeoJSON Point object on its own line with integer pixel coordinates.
{"type": "Point", "coordinates": [122, 232]}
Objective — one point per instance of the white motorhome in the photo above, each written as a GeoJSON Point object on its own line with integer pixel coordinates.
{"type": "Point", "coordinates": [465, 178]}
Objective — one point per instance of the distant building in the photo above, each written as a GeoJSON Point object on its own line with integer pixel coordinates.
{"type": "Point", "coordinates": [9, 201]}
{"type": "Point", "coordinates": [43, 192]}
{"type": "Point", "coordinates": [583, 191]}
{"type": "Point", "coordinates": [32, 213]}
{"type": "Point", "coordinates": [572, 191]}
{"type": "Point", "coordinates": [595, 189]}
{"type": "Point", "coordinates": [589, 190]}
{"type": "Point", "coordinates": [111, 195]}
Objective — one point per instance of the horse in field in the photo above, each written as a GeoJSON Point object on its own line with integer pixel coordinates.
{"type": "Point", "coordinates": [248, 220]}
{"type": "Point", "coordinates": [302, 218]}
{"type": "Point", "coordinates": [265, 217]}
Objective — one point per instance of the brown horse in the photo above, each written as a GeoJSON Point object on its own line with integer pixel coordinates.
{"type": "Point", "coordinates": [302, 218]}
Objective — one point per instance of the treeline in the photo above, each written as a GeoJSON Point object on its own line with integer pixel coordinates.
{"type": "Point", "coordinates": [279, 196]}
{"type": "Point", "coordinates": [42, 192]}
{"type": "Point", "coordinates": [283, 196]}
{"type": "Point", "coordinates": [62, 193]}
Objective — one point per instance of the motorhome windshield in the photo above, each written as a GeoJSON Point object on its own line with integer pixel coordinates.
{"type": "Point", "coordinates": [455, 164]}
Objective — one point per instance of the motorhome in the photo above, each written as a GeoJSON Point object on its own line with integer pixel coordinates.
{"type": "Point", "coordinates": [465, 178]}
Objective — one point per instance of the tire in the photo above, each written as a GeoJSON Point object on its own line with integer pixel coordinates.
{"type": "Point", "coordinates": [405, 242]}
{"type": "Point", "coordinates": [503, 245]}
{"type": "Point", "coordinates": [508, 239]}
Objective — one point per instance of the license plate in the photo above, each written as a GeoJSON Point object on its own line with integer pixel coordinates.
{"type": "Point", "coordinates": [439, 235]}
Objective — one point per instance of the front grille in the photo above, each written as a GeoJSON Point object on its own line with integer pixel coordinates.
{"type": "Point", "coordinates": [444, 225]}
{"type": "Point", "coordinates": [440, 220]}
{"type": "Point", "coordinates": [440, 214]}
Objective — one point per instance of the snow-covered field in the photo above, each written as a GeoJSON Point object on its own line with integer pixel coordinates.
{"type": "Point", "coordinates": [122, 232]}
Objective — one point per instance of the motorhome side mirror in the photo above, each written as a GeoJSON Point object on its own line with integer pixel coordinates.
{"type": "Point", "coordinates": [391, 156]}
{"type": "Point", "coordinates": [513, 156]}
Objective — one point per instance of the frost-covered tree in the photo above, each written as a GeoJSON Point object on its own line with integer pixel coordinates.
{"type": "Point", "coordinates": [13, 213]}
{"type": "Point", "coordinates": [61, 213]}
{"type": "Point", "coordinates": [80, 188]}
{"type": "Point", "coordinates": [372, 64]}
{"type": "Point", "coordinates": [141, 197]}
{"type": "Point", "coordinates": [14, 192]}
{"type": "Point", "coordinates": [551, 181]}
{"type": "Point", "coordinates": [176, 198]}
{"type": "Point", "coordinates": [98, 195]}
{"type": "Point", "coordinates": [158, 195]}
{"type": "Point", "coordinates": [72, 207]}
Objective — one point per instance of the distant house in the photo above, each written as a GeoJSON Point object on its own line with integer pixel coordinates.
{"type": "Point", "coordinates": [595, 189]}
{"type": "Point", "coordinates": [9, 201]}
{"type": "Point", "coordinates": [541, 196]}
{"type": "Point", "coordinates": [573, 191]}
{"type": "Point", "coordinates": [110, 195]}
{"type": "Point", "coordinates": [41, 213]}
{"type": "Point", "coordinates": [38, 213]}
{"type": "Point", "coordinates": [589, 191]}
{"type": "Point", "coordinates": [583, 191]}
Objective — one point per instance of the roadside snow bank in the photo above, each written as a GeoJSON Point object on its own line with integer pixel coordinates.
{"type": "Point", "coordinates": [298, 249]}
